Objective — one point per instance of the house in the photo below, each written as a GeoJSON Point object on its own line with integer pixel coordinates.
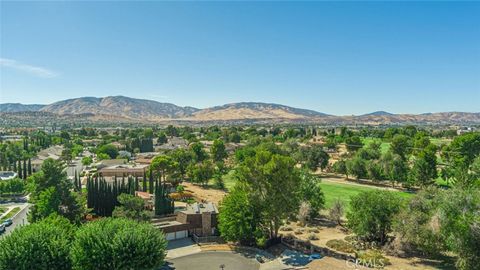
{"type": "Point", "coordinates": [135, 170]}
{"type": "Point", "coordinates": [464, 130]}
{"type": "Point", "coordinates": [53, 152]}
{"type": "Point", "coordinates": [110, 162]}
{"type": "Point", "coordinates": [197, 220]}
{"type": "Point", "coordinates": [172, 144]}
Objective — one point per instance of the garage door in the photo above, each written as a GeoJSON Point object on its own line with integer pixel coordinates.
{"type": "Point", "coordinates": [176, 235]}
{"type": "Point", "coordinates": [170, 236]}
{"type": "Point", "coordinates": [181, 234]}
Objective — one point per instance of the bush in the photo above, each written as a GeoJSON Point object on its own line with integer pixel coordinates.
{"type": "Point", "coordinates": [372, 258]}
{"type": "Point", "coordinates": [286, 228]}
{"type": "Point", "coordinates": [298, 231]}
{"type": "Point", "coordinates": [340, 245]}
{"type": "Point", "coordinates": [42, 245]}
{"type": "Point", "coordinates": [371, 214]}
{"type": "Point", "coordinates": [312, 236]}
{"type": "Point", "coordinates": [112, 243]}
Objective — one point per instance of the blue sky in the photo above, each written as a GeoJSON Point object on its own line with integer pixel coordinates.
{"type": "Point", "coordinates": [338, 58]}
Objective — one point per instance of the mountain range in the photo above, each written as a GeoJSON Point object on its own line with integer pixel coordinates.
{"type": "Point", "coordinates": [125, 109]}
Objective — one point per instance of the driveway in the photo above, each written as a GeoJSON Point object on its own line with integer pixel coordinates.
{"type": "Point", "coordinates": [181, 247]}
{"type": "Point", "coordinates": [214, 260]}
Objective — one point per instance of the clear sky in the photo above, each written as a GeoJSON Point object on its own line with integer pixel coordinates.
{"type": "Point", "coordinates": [338, 58]}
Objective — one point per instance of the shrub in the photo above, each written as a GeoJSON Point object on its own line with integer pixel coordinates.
{"type": "Point", "coordinates": [372, 258]}
{"type": "Point", "coordinates": [313, 230]}
{"type": "Point", "coordinates": [117, 243]}
{"type": "Point", "coordinates": [340, 245]}
{"type": "Point", "coordinates": [371, 214]}
{"type": "Point", "coordinates": [312, 236]}
{"type": "Point", "coordinates": [286, 228]}
{"type": "Point", "coordinates": [298, 231]}
{"type": "Point", "coordinates": [42, 245]}
{"type": "Point", "coordinates": [335, 213]}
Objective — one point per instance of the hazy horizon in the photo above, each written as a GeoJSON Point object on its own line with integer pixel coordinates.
{"type": "Point", "coordinates": [339, 58]}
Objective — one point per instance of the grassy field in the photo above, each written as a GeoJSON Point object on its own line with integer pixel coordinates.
{"type": "Point", "coordinates": [343, 192]}
{"type": "Point", "coordinates": [384, 146]}
{"type": "Point", "coordinates": [10, 214]}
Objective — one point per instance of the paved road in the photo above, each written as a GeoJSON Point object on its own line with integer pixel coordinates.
{"type": "Point", "coordinates": [19, 220]}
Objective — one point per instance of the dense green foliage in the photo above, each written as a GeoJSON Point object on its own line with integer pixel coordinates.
{"type": "Point", "coordinates": [117, 244]}
{"type": "Point", "coordinates": [51, 193]}
{"type": "Point", "coordinates": [371, 214]}
{"type": "Point", "coordinates": [43, 245]}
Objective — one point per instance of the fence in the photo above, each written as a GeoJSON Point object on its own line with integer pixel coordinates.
{"type": "Point", "coordinates": [207, 239]}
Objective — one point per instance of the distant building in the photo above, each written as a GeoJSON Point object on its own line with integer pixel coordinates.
{"type": "Point", "coordinates": [172, 144]}
{"type": "Point", "coordinates": [53, 152]}
{"type": "Point", "coordinates": [464, 130]}
{"type": "Point", "coordinates": [124, 170]}
{"type": "Point", "coordinates": [198, 220]}
{"type": "Point", "coordinates": [110, 162]}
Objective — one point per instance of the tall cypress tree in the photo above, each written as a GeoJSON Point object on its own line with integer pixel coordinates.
{"type": "Point", "coordinates": [24, 169]}
{"type": "Point", "coordinates": [150, 182]}
{"type": "Point", "coordinates": [29, 166]}
{"type": "Point", "coordinates": [19, 169]}
{"type": "Point", "coordinates": [144, 181]}
{"type": "Point", "coordinates": [163, 204]}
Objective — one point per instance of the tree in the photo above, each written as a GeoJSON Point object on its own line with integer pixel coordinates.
{"type": "Point", "coordinates": [109, 150]}
{"type": "Point", "coordinates": [464, 149]}
{"type": "Point", "coordinates": [43, 245]}
{"type": "Point", "coordinates": [52, 188]}
{"type": "Point", "coordinates": [272, 184]}
{"type": "Point", "coordinates": [117, 243]}
{"type": "Point", "coordinates": [162, 138]}
{"type": "Point", "coordinates": [131, 207]}
{"type": "Point", "coordinates": [163, 204]}
{"type": "Point", "coordinates": [304, 213]}
{"type": "Point", "coordinates": [199, 153]}
{"type": "Point", "coordinates": [315, 157]}
{"type": "Point", "coordinates": [460, 225]}
{"type": "Point", "coordinates": [335, 213]}
{"type": "Point", "coordinates": [183, 159]}
{"type": "Point", "coordinates": [400, 145]}
{"type": "Point", "coordinates": [311, 192]}
{"type": "Point", "coordinates": [218, 151]}
{"type": "Point", "coordinates": [86, 161]}
{"type": "Point", "coordinates": [424, 169]}
{"type": "Point", "coordinates": [353, 143]}
{"type": "Point", "coordinates": [202, 172]}
{"type": "Point", "coordinates": [341, 167]}
{"type": "Point", "coordinates": [239, 218]}
{"type": "Point", "coordinates": [416, 225]}
{"type": "Point", "coordinates": [371, 214]}
{"type": "Point", "coordinates": [357, 167]}
{"type": "Point", "coordinates": [163, 165]}
{"type": "Point", "coordinates": [394, 167]}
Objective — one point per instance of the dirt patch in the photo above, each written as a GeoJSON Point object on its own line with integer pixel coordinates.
{"type": "Point", "coordinates": [205, 194]}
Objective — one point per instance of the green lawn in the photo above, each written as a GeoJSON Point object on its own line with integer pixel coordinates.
{"type": "Point", "coordinates": [384, 146]}
{"type": "Point", "coordinates": [344, 192]}
{"type": "Point", "coordinates": [10, 214]}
